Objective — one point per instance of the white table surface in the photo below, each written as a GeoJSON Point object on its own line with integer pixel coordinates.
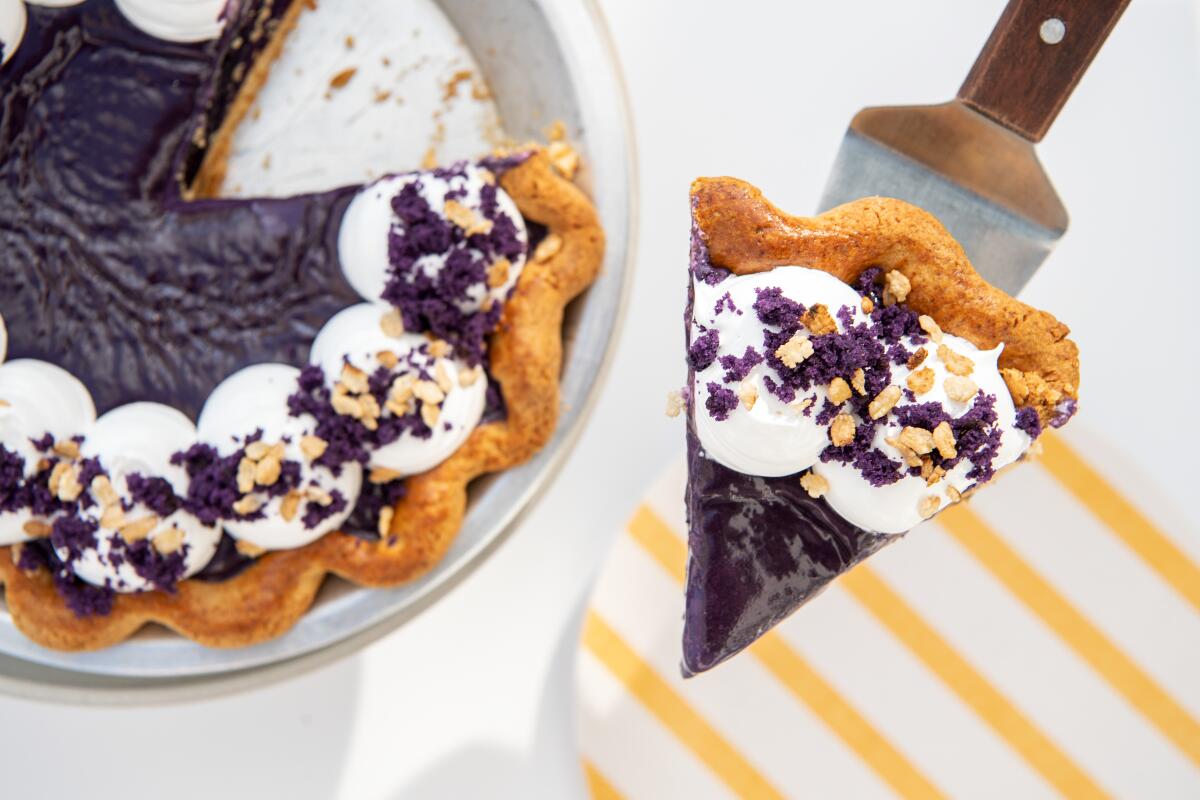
{"type": "Point", "coordinates": [474, 699]}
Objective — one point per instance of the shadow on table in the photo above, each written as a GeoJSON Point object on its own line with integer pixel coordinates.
{"type": "Point", "coordinates": [552, 759]}
{"type": "Point", "coordinates": [288, 740]}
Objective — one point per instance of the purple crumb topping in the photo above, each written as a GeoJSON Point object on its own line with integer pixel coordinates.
{"type": "Point", "coordinates": [736, 369]}
{"type": "Point", "coordinates": [704, 349]}
{"type": "Point", "coordinates": [432, 302]}
{"type": "Point", "coordinates": [161, 571]}
{"type": "Point", "coordinates": [1063, 412]}
{"type": "Point", "coordinates": [315, 513]}
{"type": "Point", "coordinates": [212, 482]}
{"type": "Point", "coordinates": [721, 401]}
{"type": "Point", "coordinates": [725, 301]}
{"type": "Point", "coordinates": [348, 439]}
{"type": "Point", "coordinates": [867, 283]}
{"type": "Point", "coordinates": [12, 480]}
{"type": "Point", "coordinates": [43, 443]}
{"type": "Point", "coordinates": [976, 434]}
{"type": "Point", "coordinates": [1028, 421]}
{"type": "Point", "coordinates": [83, 599]}
{"type": "Point", "coordinates": [156, 494]}
{"type": "Point", "coordinates": [73, 534]}
{"type": "Point", "coordinates": [773, 308]}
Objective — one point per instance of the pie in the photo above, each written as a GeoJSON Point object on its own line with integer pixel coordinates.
{"type": "Point", "coordinates": [849, 375]}
{"type": "Point", "coordinates": [209, 405]}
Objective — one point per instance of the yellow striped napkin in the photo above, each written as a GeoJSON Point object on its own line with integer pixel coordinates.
{"type": "Point", "coordinates": [1042, 640]}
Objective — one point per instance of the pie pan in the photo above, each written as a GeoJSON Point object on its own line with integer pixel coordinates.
{"type": "Point", "coordinates": [544, 61]}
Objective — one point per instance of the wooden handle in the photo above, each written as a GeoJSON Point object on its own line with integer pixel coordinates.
{"type": "Point", "coordinates": [1036, 54]}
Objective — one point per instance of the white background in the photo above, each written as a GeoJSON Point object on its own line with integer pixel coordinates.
{"type": "Point", "coordinates": [474, 699]}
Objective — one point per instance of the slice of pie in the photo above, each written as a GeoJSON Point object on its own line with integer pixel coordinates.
{"type": "Point", "coordinates": [849, 375]}
{"type": "Point", "coordinates": [208, 405]}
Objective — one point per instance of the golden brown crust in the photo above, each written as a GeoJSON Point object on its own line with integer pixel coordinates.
{"type": "Point", "coordinates": [268, 598]}
{"type": "Point", "coordinates": [745, 233]}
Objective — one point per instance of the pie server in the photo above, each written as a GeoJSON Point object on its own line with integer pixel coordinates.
{"type": "Point", "coordinates": [971, 162]}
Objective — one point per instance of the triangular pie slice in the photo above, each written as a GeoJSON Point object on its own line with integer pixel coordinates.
{"type": "Point", "coordinates": [849, 375]}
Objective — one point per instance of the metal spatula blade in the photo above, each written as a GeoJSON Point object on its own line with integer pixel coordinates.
{"type": "Point", "coordinates": [971, 162]}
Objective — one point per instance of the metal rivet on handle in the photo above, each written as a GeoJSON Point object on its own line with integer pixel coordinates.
{"type": "Point", "coordinates": [1053, 30]}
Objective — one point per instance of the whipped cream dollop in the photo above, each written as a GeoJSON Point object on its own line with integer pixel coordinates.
{"type": "Point", "coordinates": [286, 499]}
{"type": "Point", "coordinates": [12, 28]}
{"type": "Point", "coordinates": [37, 398]}
{"type": "Point", "coordinates": [856, 396]}
{"type": "Point", "coordinates": [416, 376]}
{"type": "Point", "coordinates": [176, 20]}
{"type": "Point", "coordinates": [449, 236]}
{"type": "Point", "coordinates": [143, 538]}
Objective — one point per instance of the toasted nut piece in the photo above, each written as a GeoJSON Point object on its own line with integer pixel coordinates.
{"type": "Point", "coordinates": [919, 440]}
{"type": "Point", "coordinates": [247, 505]}
{"type": "Point", "coordinates": [439, 348]}
{"type": "Point", "coordinates": [955, 364]}
{"type": "Point", "coordinates": [839, 391]}
{"type": "Point", "coordinates": [441, 375]}
{"type": "Point", "coordinates": [794, 350]}
{"type": "Point", "coordinates": [402, 387]}
{"type": "Point", "coordinates": [354, 379]}
{"type": "Point", "coordinates": [960, 389]}
{"type": "Point", "coordinates": [36, 529]}
{"type": "Point", "coordinates": [69, 487]}
{"type": "Point", "coordinates": [814, 484]}
{"type": "Point", "coordinates": [818, 320]}
{"type": "Point", "coordinates": [401, 408]}
{"type": "Point", "coordinates": [841, 430]}
{"type": "Point", "coordinates": [428, 392]}
{"type": "Point", "coordinates": [255, 451]}
{"type": "Point", "coordinates": [928, 506]}
{"type": "Point", "coordinates": [245, 475]}
{"type": "Point", "coordinates": [430, 412]}
{"type": "Point", "coordinates": [747, 393]}
{"type": "Point", "coordinates": [383, 475]}
{"type": "Point", "coordinates": [896, 287]}
{"type": "Point", "coordinates": [56, 476]}
{"type": "Point", "coordinates": [347, 406]}
{"type": "Point", "coordinates": [385, 520]}
{"type": "Point", "coordinates": [168, 541]}
{"type": "Point", "coordinates": [113, 517]}
{"type": "Point", "coordinates": [103, 491]}
{"type": "Point", "coordinates": [318, 495]}
{"type": "Point", "coordinates": [930, 327]}
{"type": "Point", "coordinates": [917, 358]}
{"type": "Point", "coordinates": [910, 458]}
{"type": "Point", "coordinates": [884, 402]}
{"type": "Point", "coordinates": [936, 476]}
{"type": "Point", "coordinates": [290, 506]}
{"type": "Point", "coordinates": [943, 440]}
{"type": "Point", "coordinates": [674, 403]}
{"type": "Point", "coordinates": [921, 381]}
{"type": "Point", "coordinates": [467, 377]}
{"type": "Point", "coordinates": [392, 324]}
{"type": "Point", "coordinates": [459, 214]}
{"type": "Point", "coordinates": [926, 468]}
{"type": "Point", "coordinates": [67, 448]}
{"type": "Point", "coordinates": [370, 407]}
{"type": "Point", "coordinates": [799, 405]}
{"type": "Point", "coordinates": [547, 248]}
{"type": "Point", "coordinates": [497, 274]}
{"type": "Point", "coordinates": [868, 305]}
{"type": "Point", "coordinates": [564, 158]}
{"type": "Point", "coordinates": [387, 359]}
{"type": "Point", "coordinates": [267, 471]}
{"type": "Point", "coordinates": [139, 528]}
{"type": "Point", "coordinates": [859, 381]}
{"type": "Point", "coordinates": [954, 494]}
{"type": "Point", "coordinates": [313, 447]}
{"type": "Point", "coordinates": [249, 549]}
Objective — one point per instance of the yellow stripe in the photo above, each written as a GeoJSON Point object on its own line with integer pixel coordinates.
{"type": "Point", "coordinates": [657, 697]}
{"type": "Point", "coordinates": [782, 661]}
{"type": "Point", "coordinates": [1128, 524]}
{"type": "Point", "coordinates": [971, 687]}
{"type": "Point", "coordinates": [1142, 692]}
{"type": "Point", "coordinates": [599, 787]}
